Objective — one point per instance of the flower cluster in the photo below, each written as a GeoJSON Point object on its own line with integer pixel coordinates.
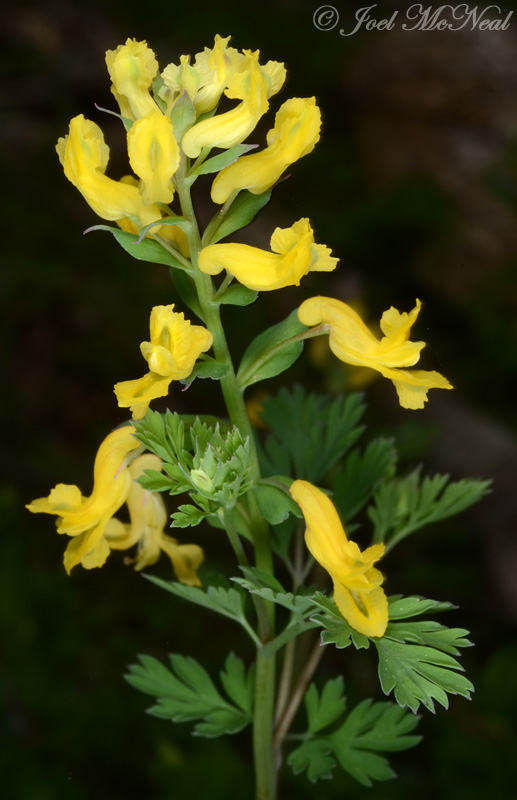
{"type": "Point", "coordinates": [173, 120]}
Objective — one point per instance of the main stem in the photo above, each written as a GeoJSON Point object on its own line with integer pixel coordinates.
{"type": "Point", "coordinates": [265, 772]}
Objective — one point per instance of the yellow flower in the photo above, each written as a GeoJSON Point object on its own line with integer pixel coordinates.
{"type": "Point", "coordinates": [132, 68]}
{"type": "Point", "coordinates": [253, 85]}
{"type": "Point", "coordinates": [85, 518]}
{"type": "Point", "coordinates": [205, 80]}
{"type": "Point", "coordinates": [296, 131]}
{"type": "Point", "coordinates": [84, 156]}
{"type": "Point", "coordinates": [171, 354]}
{"type": "Point", "coordinates": [294, 255]}
{"type": "Point", "coordinates": [154, 156]}
{"type": "Point", "coordinates": [357, 584]}
{"type": "Point", "coordinates": [352, 342]}
{"type": "Point", "coordinates": [146, 529]}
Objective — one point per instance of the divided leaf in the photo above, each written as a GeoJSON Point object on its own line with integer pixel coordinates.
{"type": "Point", "coordinates": [228, 602]}
{"type": "Point", "coordinates": [185, 693]}
{"type": "Point", "coordinates": [368, 729]}
{"type": "Point", "coordinates": [308, 432]}
{"type": "Point", "coordinates": [361, 474]}
{"type": "Point", "coordinates": [238, 684]}
{"type": "Point", "coordinates": [405, 505]}
{"type": "Point", "coordinates": [313, 757]}
{"type": "Point", "coordinates": [326, 708]}
{"type": "Point", "coordinates": [419, 674]}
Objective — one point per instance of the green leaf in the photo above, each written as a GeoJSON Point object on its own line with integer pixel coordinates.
{"type": "Point", "coordinates": [179, 222]}
{"type": "Point", "coordinates": [368, 729]}
{"type": "Point", "coordinates": [361, 474]}
{"type": "Point", "coordinates": [209, 368]}
{"type": "Point", "coordinates": [141, 249]}
{"type": "Point", "coordinates": [187, 516]}
{"type": "Point", "coordinates": [419, 674]}
{"type": "Point", "coordinates": [267, 587]}
{"type": "Point", "coordinates": [275, 502]}
{"type": "Point", "coordinates": [155, 481]}
{"type": "Point", "coordinates": [243, 210]}
{"type": "Point", "coordinates": [403, 607]}
{"type": "Point", "coordinates": [236, 295]}
{"type": "Point", "coordinates": [271, 353]}
{"type": "Point", "coordinates": [405, 505]}
{"type": "Point", "coordinates": [308, 432]}
{"type": "Point", "coordinates": [313, 757]}
{"type": "Point", "coordinates": [164, 435]}
{"type": "Point", "coordinates": [222, 160]}
{"type": "Point", "coordinates": [325, 709]}
{"type": "Point", "coordinates": [239, 685]}
{"type": "Point", "coordinates": [186, 693]}
{"type": "Point", "coordinates": [428, 632]}
{"type": "Point", "coordinates": [183, 115]}
{"type": "Point", "coordinates": [337, 630]}
{"type": "Point", "coordinates": [228, 602]}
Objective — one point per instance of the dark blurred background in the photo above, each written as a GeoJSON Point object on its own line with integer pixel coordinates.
{"type": "Point", "coordinates": [414, 186]}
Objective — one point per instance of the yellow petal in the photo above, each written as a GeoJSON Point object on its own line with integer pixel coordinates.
{"type": "Point", "coordinates": [175, 343]}
{"type": "Point", "coordinates": [185, 558]}
{"type": "Point", "coordinates": [110, 488]}
{"type": "Point", "coordinates": [89, 549]}
{"type": "Point", "coordinates": [365, 612]}
{"type": "Point", "coordinates": [263, 271]}
{"type": "Point", "coordinates": [154, 156]}
{"type": "Point", "coordinates": [62, 498]}
{"type": "Point", "coordinates": [296, 131]}
{"type": "Point", "coordinates": [175, 346]}
{"type": "Point", "coordinates": [84, 156]}
{"type": "Point", "coordinates": [253, 85]}
{"type": "Point", "coordinates": [132, 68]}
{"type": "Point", "coordinates": [215, 68]}
{"type": "Point", "coordinates": [327, 540]}
{"type": "Point", "coordinates": [356, 583]}
{"type": "Point", "coordinates": [138, 393]}
{"type": "Point", "coordinates": [412, 387]}
{"type": "Point", "coordinates": [352, 342]}
{"type": "Point", "coordinates": [86, 518]}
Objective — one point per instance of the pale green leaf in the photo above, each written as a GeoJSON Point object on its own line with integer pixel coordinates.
{"type": "Point", "coordinates": [271, 352]}
{"type": "Point", "coordinates": [243, 210]}
{"type": "Point", "coordinates": [142, 249]}
{"type": "Point", "coordinates": [219, 162]}
{"type": "Point", "coordinates": [236, 295]}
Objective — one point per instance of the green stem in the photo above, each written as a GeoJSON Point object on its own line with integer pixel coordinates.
{"type": "Point", "coordinates": [265, 771]}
